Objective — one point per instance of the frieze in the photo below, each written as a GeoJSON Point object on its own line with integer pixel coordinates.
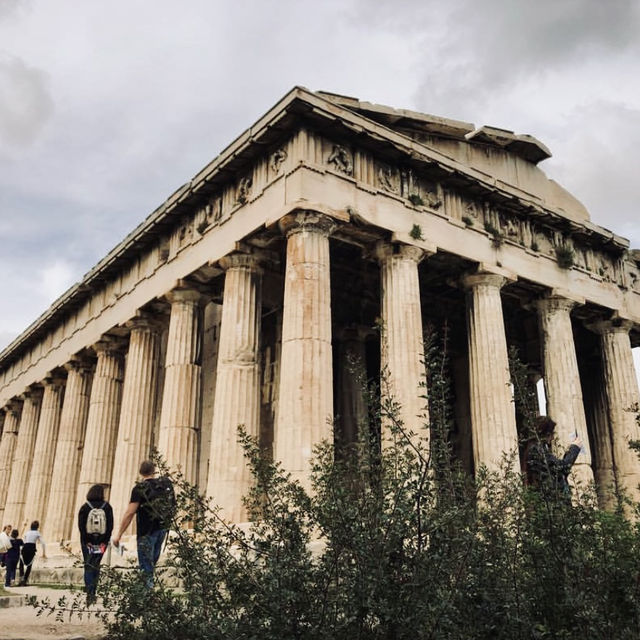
{"type": "Point", "coordinates": [342, 159]}
{"type": "Point", "coordinates": [277, 159]}
{"type": "Point", "coordinates": [388, 178]}
{"type": "Point", "coordinates": [244, 189]}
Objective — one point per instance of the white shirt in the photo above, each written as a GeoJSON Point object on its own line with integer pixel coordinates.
{"type": "Point", "coordinates": [32, 536]}
{"type": "Point", "coordinates": [5, 542]}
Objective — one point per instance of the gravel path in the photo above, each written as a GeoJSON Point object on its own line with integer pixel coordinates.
{"type": "Point", "coordinates": [22, 623]}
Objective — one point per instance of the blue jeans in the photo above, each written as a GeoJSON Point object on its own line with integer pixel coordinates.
{"type": "Point", "coordinates": [149, 548]}
{"type": "Point", "coordinates": [91, 570]}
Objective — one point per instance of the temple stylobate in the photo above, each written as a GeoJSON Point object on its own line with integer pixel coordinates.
{"type": "Point", "coordinates": [244, 298]}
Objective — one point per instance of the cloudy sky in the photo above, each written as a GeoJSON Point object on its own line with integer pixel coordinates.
{"type": "Point", "coordinates": [106, 106]}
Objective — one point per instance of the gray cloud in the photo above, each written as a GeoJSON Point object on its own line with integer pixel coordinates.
{"type": "Point", "coordinates": [144, 99]}
{"type": "Point", "coordinates": [25, 101]}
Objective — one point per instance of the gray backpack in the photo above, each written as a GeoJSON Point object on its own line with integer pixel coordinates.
{"type": "Point", "coordinates": [96, 520]}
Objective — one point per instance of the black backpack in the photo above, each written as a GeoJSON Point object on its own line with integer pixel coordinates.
{"type": "Point", "coordinates": [161, 501]}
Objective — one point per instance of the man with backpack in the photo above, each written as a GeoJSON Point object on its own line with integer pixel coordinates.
{"type": "Point", "coordinates": [95, 521]}
{"type": "Point", "coordinates": [153, 503]}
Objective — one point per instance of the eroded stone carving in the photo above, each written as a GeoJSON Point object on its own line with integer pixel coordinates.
{"type": "Point", "coordinates": [388, 178]}
{"type": "Point", "coordinates": [342, 159]}
{"type": "Point", "coordinates": [277, 159]}
{"type": "Point", "coordinates": [244, 189]}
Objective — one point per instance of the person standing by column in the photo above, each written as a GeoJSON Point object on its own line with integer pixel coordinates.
{"type": "Point", "coordinates": [95, 521]}
{"type": "Point", "coordinates": [29, 551]}
{"type": "Point", "coordinates": [153, 503]}
{"type": "Point", "coordinates": [12, 557]}
{"type": "Point", "coordinates": [5, 542]}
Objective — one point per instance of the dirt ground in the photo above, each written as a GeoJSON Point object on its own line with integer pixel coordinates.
{"type": "Point", "coordinates": [22, 622]}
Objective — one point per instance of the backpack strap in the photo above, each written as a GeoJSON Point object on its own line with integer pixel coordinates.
{"type": "Point", "coordinates": [89, 505]}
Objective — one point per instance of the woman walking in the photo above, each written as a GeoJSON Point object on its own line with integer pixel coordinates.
{"type": "Point", "coordinates": [95, 521]}
{"type": "Point", "coordinates": [29, 551]}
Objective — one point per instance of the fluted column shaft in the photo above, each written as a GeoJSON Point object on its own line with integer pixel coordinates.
{"type": "Point", "coordinates": [493, 421]}
{"type": "Point", "coordinates": [60, 519]}
{"type": "Point", "coordinates": [23, 458]}
{"type": "Point", "coordinates": [621, 389]}
{"type": "Point", "coordinates": [562, 380]}
{"type": "Point", "coordinates": [305, 393]}
{"type": "Point", "coordinates": [135, 428]}
{"type": "Point", "coordinates": [237, 393]}
{"type": "Point", "coordinates": [180, 416]}
{"type": "Point", "coordinates": [402, 349]}
{"type": "Point", "coordinates": [43, 455]}
{"type": "Point", "coordinates": [102, 421]}
{"type": "Point", "coordinates": [7, 449]}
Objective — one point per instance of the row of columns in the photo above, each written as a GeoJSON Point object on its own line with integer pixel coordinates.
{"type": "Point", "coordinates": [102, 420]}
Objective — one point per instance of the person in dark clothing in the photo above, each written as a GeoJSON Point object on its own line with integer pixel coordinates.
{"type": "Point", "coordinates": [152, 502]}
{"type": "Point", "coordinates": [30, 537]}
{"type": "Point", "coordinates": [11, 558]}
{"type": "Point", "coordinates": [544, 470]}
{"type": "Point", "coordinates": [95, 522]}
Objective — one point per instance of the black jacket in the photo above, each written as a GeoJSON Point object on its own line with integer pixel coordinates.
{"type": "Point", "coordinates": [547, 472]}
{"type": "Point", "coordinates": [83, 514]}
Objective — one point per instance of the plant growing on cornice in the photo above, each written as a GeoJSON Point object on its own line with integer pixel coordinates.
{"type": "Point", "coordinates": [534, 246]}
{"type": "Point", "coordinates": [416, 232]}
{"type": "Point", "coordinates": [497, 238]}
{"type": "Point", "coordinates": [468, 220]}
{"type": "Point", "coordinates": [565, 256]}
{"type": "Point", "coordinates": [416, 200]}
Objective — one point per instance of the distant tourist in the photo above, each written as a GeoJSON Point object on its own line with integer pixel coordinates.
{"type": "Point", "coordinates": [153, 503]}
{"type": "Point", "coordinates": [12, 557]}
{"type": "Point", "coordinates": [544, 470]}
{"type": "Point", "coordinates": [95, 521]}
{"type": "Point", "coordinates": [5, 542]}
{"type": "Point", "coordinates": [29, 551]}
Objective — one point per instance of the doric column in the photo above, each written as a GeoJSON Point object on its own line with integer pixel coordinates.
{"type": "Point", "coordinates": [305, 393]}
{"type": "Point", "coordinates": [621, 389]}
{"type": "Point", "coordinates": [237, 393]}
{"type": "Point", "coordinates": [61, 518]}
{"type": "Point", "coordinates": [35, 507]}
{"type": "Point", "coordinates": [23, 457]}
{"type": "Point", "coordinates": [102, 421]}
{"type": "Point", "coordinates": [351, 382]}
{"type": "Point", "coordinates": [562, 380]}
{"type": "Point", "coordinates": [135, 428]}
{"type": "Point", "coordinates": [401, 340]}
{"type": "Point", "coordinates": [493, 421]}
{"type": "Point", "coordinates": [7, 449]}
{"type": "Point", "coordinates": [180, 416]}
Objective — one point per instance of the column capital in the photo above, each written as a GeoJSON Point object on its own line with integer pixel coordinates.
{"type": "Point", "coordinates": [33, 391]}
{"type": "Point", "coordinates": [487, 275]}
{"type": "Point", "coordinates": [187, 291]}
{"type": "Point", "coordinates": [81, 364]}
{"type": "Point", "coordinates": [613, 325]}
{"type": "Point", "coordinates": [54, 378]}
{"type": "Point", "coordinates": [109, 344]}
{"type": "Point", "coordinates": [237, 260]}
{"type": "Point", "coordinates": [13, 407]}
{"type": "Point", "coordinates": [307, 221]}
{"type": "Point", "coordinates": [551, 302]}
{"type": "Point", "coordinates": [143, 321]}
{"type": "Point", "coordinates": [384, 251]}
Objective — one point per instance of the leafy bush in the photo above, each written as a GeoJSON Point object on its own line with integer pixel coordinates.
{"type": "Point", "coordinates": [393, 542]}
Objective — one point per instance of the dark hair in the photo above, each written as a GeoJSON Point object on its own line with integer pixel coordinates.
{"type": "Point", "coordinates": [544, 426]}
{"type": "Point", "coordinates": [147, 468]}
{"type": "Point", "coordinates": [95, 493]}
{"type": "Point", "coordinates": [14, 533]}
{"type": "Point", "coordinates": [34, 525]}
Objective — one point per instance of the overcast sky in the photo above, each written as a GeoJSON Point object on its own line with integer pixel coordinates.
{"type": "Point", "coordinates": [106, 106]}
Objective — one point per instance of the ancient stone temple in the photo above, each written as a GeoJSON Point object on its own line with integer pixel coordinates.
{"type": "Point", "coordinates": [242, 299]}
